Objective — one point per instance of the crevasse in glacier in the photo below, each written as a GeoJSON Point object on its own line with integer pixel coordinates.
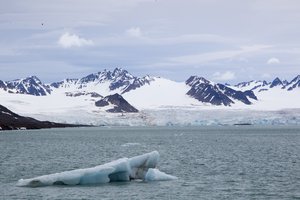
{"type": "Point", "coordinates": [125, 169]}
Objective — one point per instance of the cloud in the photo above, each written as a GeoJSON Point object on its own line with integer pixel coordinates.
{"type": "Point", "coordinates": [255, 47]}
{"type": "Point", "coordinates": [134, 32]}
{"type": "Point", "coordinates": [195, 59]}
{"type": "Point", "coordinates": [226, 76]}
{"type": "Point", "coordinates": [273, 61]}
{"type": "Point", "coordinates": [68, 40]}
{"type": "Point", "coordinates": [266, 75]}
{"type": "Point", "coordinates": [131, 35]}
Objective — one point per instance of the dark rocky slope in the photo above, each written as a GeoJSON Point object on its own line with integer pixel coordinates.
{"type": "Point", "coordinates": [12, 121]}
{"type": "Point", "coordinates": [215, 93]}
{"type": "Point", "coordinates": [120, 105]}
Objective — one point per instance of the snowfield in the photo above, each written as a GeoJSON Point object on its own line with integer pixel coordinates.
{"type": "Point", "coordinates": [161, 93]}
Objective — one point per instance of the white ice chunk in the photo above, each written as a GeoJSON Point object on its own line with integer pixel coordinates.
{"type": "Point", "coordinates": [125, 169]}
{"type": "Point", "coordinates": [156, 175]}
{"type": "Point", "coordinates": [140, 164]}
{"type": "Point", "coordinates": [130, 144]}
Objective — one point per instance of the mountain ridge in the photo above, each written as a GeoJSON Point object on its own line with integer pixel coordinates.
{"type": "Point", "coordinates": [118, 79]}
{"type": "Point", "coordinates": [260, 86]}
{"type": "Point", "coordinates": [104, 83]}
{"type": "Point", "coordinates": [216, 94]}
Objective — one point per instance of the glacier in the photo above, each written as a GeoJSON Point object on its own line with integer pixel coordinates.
{"type": "Point", "coordinates": [141, 167]}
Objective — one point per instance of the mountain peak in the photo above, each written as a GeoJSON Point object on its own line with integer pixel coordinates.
{"type": "Point", "coordinates": [295, 83]}
{"type": "Point", "coordinates": [265, 86]}
{"type": "Point", "coordinates": [117, 79]}
{"type": "Point", "coordinates": [120, 73]}
{"type": "Point", "coordinates": [276, 79]}
{"type": "Point", "coordinates": [196, 80]}
{"type": "Point", "coordinates": [120, 105]}
{"type": "Point", "coordinates": [297, 78]}
{"type": "Point", "coordinates": [106, 75]}
{"type": "Point", "coordinates": [33, 77]}
{"type": "Point", "coordinates": [217, 94]}
{"type": "Point", "coordinates": [118, 70]}
{"type": "Point", "coordinates": [276, 82]}
{"type": "Point", "coordinates": [26, 79]}
{"type": "Point", "coordinates": [31, 85]}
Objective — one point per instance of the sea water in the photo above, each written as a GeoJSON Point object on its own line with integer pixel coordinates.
{"type": "Point", "coordinates": [224, 162]}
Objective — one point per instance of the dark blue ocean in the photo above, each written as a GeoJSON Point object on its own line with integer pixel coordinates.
{"type": "Point", "coordinates": [243, 162]}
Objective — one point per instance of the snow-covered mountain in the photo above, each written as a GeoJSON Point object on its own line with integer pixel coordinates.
{"type": "Point", "coordinates": [294, 84]}
{"type": "Point", "coordinates": [105, 82]}
{"type": "Point", "coordinates": [159, 101]}
{"type": "Point", "coordinates": [149, 92]}
{"type": "Point", "coordinates": [261, 86]}
{"type": "Point", "coordinates": [121, 81]}
{"type": "Point", "coordinates": [251, 85]}
{"type": "Point", "coordinates": [277, 82]}
{"type": "Point", "coordinates": [31, 85]}
{"type": "Point", "coordinates": [216, 93]}
{"type": "Point", "coordinates": [115, 104]}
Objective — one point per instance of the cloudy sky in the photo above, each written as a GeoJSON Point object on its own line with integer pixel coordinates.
{"type": "Point", "coordinates": [225, 41]}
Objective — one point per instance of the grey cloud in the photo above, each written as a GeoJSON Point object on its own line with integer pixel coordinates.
{"type": "Point", "coordinates": [173, 37]}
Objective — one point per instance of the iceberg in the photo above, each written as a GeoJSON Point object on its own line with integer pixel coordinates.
{"type": "Point", "coordinates": [141, 167]}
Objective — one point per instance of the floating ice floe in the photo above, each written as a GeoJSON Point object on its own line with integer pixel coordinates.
{"type": "Point", "coordinates": [130, 144]}
{"type": "Point", "coordinates": [125, 169]}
